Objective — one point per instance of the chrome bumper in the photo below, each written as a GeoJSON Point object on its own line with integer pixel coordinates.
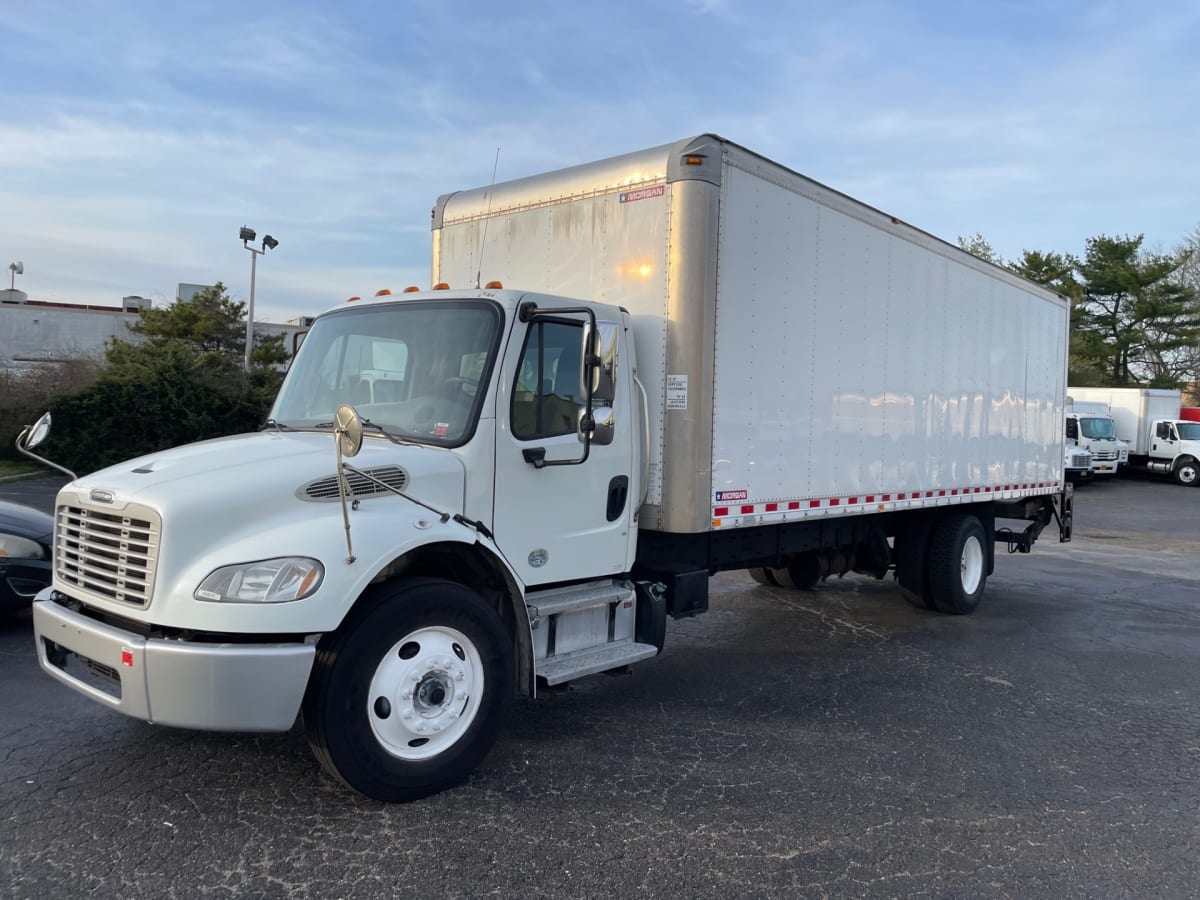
{"type": "Point", "coordinates": [213, 687]}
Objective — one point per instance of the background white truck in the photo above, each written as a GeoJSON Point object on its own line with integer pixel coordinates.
{"type": "Point", "coordinates": [726, 366]}
{"type": "Point", "coordinates": [1090, 427]}
{"type": "Point", "coordinates": [1148, 420]}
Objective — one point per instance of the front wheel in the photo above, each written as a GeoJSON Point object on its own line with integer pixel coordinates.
{"type": "Point", "coordinates": [409, 695]}
{"type": "Point", "coordinates": [1187, 472]}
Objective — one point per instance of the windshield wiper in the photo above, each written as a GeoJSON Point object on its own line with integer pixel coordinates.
{"type": "Point", "coordinates": [367, 423]}
{"type": "Point", "coordinates": [271, 423]}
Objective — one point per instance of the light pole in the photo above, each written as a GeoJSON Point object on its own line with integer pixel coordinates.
{"type": "Point", "coordinates": [268, 243]}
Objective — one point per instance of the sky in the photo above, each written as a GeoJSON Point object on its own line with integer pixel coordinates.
{"type": "Point", "coordinates": [136, 138]}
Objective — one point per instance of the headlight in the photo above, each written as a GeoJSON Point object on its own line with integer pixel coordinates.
{"type": "Point", "coordinates": [20, 548]}
{"type": "Point", "coordinates": [266, 581]}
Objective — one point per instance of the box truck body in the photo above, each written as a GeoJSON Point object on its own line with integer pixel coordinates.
{"type": "Point", "coordinates": [799, 347]}
{"type": "Point", "coordinates": [1149, 420]}
{"type": "Point", "coordinates": [685, 360]}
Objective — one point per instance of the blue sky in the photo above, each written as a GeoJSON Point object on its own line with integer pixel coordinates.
{"type": "Point", "coordinates": [137, 137]}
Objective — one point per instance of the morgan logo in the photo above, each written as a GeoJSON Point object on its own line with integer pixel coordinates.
{"type": "Point", "coordinates": [725, 496]}
{"type": "Point", "coordinates": [99, 496]}
{"type": "Point", "coordinates": [643, 193]}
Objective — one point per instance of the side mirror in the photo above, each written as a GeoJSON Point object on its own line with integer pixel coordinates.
{"type": "Point", "coordinates": [31, 436]}
{"type": "Point", "coordinates": [599, 348]}
{"type": "Point", "coordinates": [34, 434]}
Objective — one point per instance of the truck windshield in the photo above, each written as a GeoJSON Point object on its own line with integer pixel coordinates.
{"type": "Point", "coordinates": [1188, 431]}
{"type": "Point", "coordinates": [1097, 429]}
{"type": "Point", "coordinates": [413, 369]}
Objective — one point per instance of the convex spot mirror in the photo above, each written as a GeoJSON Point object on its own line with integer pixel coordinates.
{"type": "Point", "coordinates": [347, 428]}
{"type": "Point", "coordinates": [603, 426]}
{"type": "Point", "coordinates": [36, 433]}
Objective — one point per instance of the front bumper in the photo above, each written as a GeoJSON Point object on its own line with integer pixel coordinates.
{"type": "Point", "coordinates": [207, 686]}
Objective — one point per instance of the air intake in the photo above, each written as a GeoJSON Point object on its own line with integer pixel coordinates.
{"type": "Point", "coordinates": [357, 485]}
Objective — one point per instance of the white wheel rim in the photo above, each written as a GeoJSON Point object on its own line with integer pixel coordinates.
{"type": "Point", "coordinates": [1187, 473]}
{"type": "Point", "coordinates": [971, 565]}
{"type": "Point", "coordinates": [425, 693]}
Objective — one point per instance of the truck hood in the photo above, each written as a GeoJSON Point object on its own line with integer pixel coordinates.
{"type": "Point", "coordinates": [273, 468]}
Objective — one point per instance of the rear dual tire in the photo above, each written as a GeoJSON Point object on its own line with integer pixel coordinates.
{"type": "Point", "coordinates": [941, 564]}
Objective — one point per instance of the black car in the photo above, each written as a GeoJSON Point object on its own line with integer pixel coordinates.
{"type": "Point", "coordinates": [26, 536]}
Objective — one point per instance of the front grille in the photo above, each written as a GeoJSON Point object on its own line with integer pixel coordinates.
{"type": "Point", "coordinates": [1104, 455]}
{"type": "Point", "coordinates": [106, 554]}
{"type": "Point", "coordinates": [357, 485]}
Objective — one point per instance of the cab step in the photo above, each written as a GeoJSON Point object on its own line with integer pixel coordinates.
{"type": "Point", "coordinates": [556, 670]}
{"type": "Point", "coordinates": [583, 629]}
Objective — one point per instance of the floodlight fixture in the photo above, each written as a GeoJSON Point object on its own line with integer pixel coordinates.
{"type": "Point", "coordinates": [268, 243]}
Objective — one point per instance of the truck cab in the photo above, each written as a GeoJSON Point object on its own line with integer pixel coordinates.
{"type": "Point", "coordinates": [1175, 448]}
{"type": "Point", "coordinates": [1095, 431]}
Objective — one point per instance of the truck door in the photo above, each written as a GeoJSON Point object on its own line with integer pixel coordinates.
{"type": "Point", "coordinates": [559, 522]}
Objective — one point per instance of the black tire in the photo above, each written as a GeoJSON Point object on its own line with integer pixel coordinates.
{"type": "Point", "coordinates": [452, 653]}
{"type": "Point", "coordinates": [763, 576]}
{"type": "Point", "coordinates": [782, 577]}
{"type": "Point", "coordinates": [958, 564]}
{"type": "Point", "coordinates": [1187, 472]}
{"type": "Point", "coordinates": [804, 569]}
{"type": "Point", "coordinates": [911, 553]}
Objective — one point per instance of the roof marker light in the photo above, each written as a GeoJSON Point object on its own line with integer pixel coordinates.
{"type": "Point", "coordinates": [352, 299]}
{"type": "Point", "coordinates": [441, 286]}
{"type": "Point", "coordinates": [494, 286]}
{"type": "Point", "coordinates": [411, 289]}
{"type": "Point", "coordinates": [383, 292]}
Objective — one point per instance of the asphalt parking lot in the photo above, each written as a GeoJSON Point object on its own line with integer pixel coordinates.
{"type": "Point", "coordinates": [828, 743]}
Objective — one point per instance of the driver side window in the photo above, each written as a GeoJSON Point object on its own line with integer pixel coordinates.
{"type": "Point", "coordinates": [546, 399]}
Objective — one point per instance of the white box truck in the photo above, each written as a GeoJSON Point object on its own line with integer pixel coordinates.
{"type": "Point", "coordinates": [1090, 427]}
{"type": "Point", "coordinates": [698, 361]}
{"type": "Point", "coordinates": [1149, 420]}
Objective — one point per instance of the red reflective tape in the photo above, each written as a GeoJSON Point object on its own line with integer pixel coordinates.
{"type": "Point", "coordinates": [887, 497]}
{"type": "Point", "coordinates": [940, 494]}
{"type": "Point", "coordinates": [772, 507]}
{"type": "Point", "coordinates": [834, 501]}
{"type": "Point", "coordinates": [795, 504]}
{"type": "Point", "coordinates": [814, 504]}
{"type": "Point", "coordinates": [748, 508]}
{"type": "Point", "coordinates": [721, 511]}
{"type": "Point", "coordinates": [852, 500]}
{"type": "Point", "coordinates": [870, 498]}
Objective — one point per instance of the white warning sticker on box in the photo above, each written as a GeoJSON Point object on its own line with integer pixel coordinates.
{"type": "Point", "coordinates": [677, 392]}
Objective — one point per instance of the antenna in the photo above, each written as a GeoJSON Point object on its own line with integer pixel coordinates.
{"type": "Point", "coordinates": [486, 216]}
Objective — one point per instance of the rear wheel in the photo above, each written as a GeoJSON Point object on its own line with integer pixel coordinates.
{"type": "Point", "coordinates": [1187, 472]}
{"type": "Point", "coordinates": [804, 570]}
{"type": "Point", "coordinates": [408, 696]}
{"type": "Point", "coordinates": [958, 564]}
{"type": "Point", "coordinates": [763, 576]}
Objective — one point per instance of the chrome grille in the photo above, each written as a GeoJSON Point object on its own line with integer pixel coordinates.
{"type": "Point", "coordinates": [107, 554]}
{"type": "Point", "coordinates": [357, 485]}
